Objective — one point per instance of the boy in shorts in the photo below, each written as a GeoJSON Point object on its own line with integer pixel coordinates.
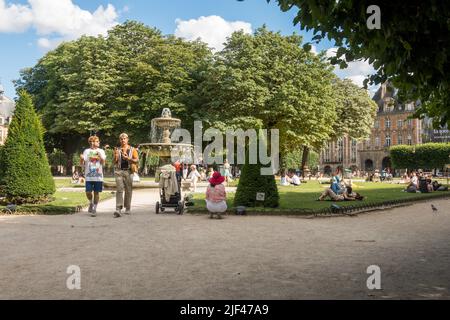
{"type": "Point", "coordinates": [93, 160]}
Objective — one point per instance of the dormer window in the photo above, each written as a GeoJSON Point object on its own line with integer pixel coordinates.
{"type": "Point", "coordinates": [409, 106]}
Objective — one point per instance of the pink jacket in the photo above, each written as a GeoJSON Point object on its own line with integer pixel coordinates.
{"type": "Point", "coordinates": [216, 194]}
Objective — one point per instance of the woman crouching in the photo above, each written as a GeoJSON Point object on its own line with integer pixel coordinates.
{"type": "Point", "coordinates": [216, 195]}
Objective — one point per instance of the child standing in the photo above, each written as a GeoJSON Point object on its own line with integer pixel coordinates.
{"type": "Point", "coordinates": [93, 160]}
{"type": "Point", "coordinates": [194, 176]}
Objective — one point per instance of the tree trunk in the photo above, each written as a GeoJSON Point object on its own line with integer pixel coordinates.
{"type": "Point", "coordinates": [69, 164]}
{"type": "Point", "coordinates": [305, 156]}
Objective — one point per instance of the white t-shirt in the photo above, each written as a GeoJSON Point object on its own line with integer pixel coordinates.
{"type": "Point", "coordinates": [295, 179]}
{"type": "Point", "coordinates": [93, 169]}
{"type": "Point", "coordinates": [194, 175]}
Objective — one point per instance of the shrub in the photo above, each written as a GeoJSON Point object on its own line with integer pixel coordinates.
{"type": "Point", "coordinates": [251, 182]}
{"type": "Point", "coordinates": [424, 156]}
{"type": "Point", "coordinates": [26, 172]}
{"type": "Point", "coordinates": [2, 165]}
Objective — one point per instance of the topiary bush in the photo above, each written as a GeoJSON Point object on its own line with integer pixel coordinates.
{"type": "Point", "coordinates": [2, 166]}
{"type": "Point", "coordinates": [423, 156]}
{"type": "Point", "coordinates": [26, 172]}
{"type": "Point", "coordinates": [251, 182]}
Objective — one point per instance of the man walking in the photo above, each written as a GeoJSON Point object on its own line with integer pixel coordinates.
{"type": "Point", "coordinates": [125, 159]}
{"type": "Point", "coordinates": [93, 160]}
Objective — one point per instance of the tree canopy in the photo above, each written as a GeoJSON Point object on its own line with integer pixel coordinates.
{"type": "Point", "coordinates": [113, 84]}
{"type": "Point", "coordinates": [411, 49]}
{"type": "Point", "coordinates": [424, 156]}
{"type": "Point", "coordinates": [266, 80]}
{"type": "Point", "coordinates": [356, 111]}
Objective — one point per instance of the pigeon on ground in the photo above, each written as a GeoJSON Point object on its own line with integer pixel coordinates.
{"type": "Point", "coordinates": [434, 208]}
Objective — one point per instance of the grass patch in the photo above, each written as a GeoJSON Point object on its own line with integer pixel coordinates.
{"type": "Point", "coordinates": [65, 182]}
{"type": "Point", "coordinates": [303, 199]}
{"type": "Point", "coordinates": [64, 203]}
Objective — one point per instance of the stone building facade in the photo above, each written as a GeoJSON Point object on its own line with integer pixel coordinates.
{"type": "Point", "coordinates": [340, 153]}
{"type": "Point", "coordinates": [391, 127]}
{"type": "Point", "coordinates": [6, 111]}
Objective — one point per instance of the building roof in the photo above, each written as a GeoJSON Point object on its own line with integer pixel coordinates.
{"type": "Point", "coordinates": [7, 105]}
{"type": "Point", "coordinates": [387, 100]}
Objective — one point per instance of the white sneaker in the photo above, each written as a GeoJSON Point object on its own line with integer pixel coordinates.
{"type": "Point", "coordinates": [91, 205]}
{"type": "Point", "coordinates": [117, 213]}
{"type": "Point", "coordinates": [94, 211]}
{"type": "Point", "coordinates": [127, 212]}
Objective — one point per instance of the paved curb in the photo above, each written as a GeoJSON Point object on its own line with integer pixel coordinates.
{"type": "Point", "coordinates": [330, 212]}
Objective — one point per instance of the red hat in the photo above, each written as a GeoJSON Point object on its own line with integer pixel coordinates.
{"type": "Point", "coordinates": [216, 178]}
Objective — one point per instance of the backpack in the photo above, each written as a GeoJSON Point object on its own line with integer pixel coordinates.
{"type": "Point", "coordinates": [423, 185]}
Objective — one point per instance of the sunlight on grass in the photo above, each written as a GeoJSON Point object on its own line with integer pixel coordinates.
{"type": "Point", "coordinates": [305, 196]}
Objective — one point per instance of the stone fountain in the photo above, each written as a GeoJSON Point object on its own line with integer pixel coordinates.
{"type": "Point", "coordinates": [161, 143]}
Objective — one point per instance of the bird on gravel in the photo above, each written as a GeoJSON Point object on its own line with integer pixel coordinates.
{"type": "Point", "coordinates": [434, 208]}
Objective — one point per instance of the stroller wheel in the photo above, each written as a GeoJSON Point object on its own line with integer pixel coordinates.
{"type": "Point", "coordinates": [157, 207]}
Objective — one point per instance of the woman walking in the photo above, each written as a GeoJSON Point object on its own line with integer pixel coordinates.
{"type": "Point", "coordinates": [125, 159]}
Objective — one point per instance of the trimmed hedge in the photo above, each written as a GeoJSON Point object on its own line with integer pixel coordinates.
{"type": "Point", "coordinates": [26, 172]}
{"type": "Point", "coordinates": [423, 156]}
{"type": "Point", "coordinates": [250, 183]}
{"type": "Point", "coordinates": [2, 166]}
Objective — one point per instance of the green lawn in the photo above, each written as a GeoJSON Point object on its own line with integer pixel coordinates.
{"type": "Point", "coordinates": [64, 182]}
{"type": "Point", "coordinates": [304, 198]}
{"type": "Point", "coordinates": [65, 202]}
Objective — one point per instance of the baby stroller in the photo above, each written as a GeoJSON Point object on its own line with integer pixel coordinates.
{"type": "Point", "coordinates": [169, 190]}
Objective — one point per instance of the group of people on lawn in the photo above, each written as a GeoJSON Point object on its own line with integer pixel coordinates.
{"type": "Point", "coordinates": [126, 160]}
{"type": "Point", "coordinates": [339, 191]}
{"type": "Point", "coordinates": [420, 182]}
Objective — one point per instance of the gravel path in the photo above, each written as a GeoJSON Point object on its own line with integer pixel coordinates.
{"type": "Point", "coordinates": [166, 256]}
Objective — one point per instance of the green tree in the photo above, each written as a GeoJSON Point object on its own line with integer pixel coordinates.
{"type": "Point", "coordinates": [424, 156]}
{"type": "Point", "coordinates": [356, 111]}
{"type": "Point", "coordinates": [267, 80]}
{"type": "Point", "coordinates": [396, 50]}
{"type": "Point", "coordinates": [27, 174]}
{"type": "Point", "coordinates": [113, 84]}
{"type": "Point", "coordinates": [2, 166]}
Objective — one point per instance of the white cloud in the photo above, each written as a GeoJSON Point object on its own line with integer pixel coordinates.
{"type": "Point", "coordinates": [14, 17]}
{"type": "Point", "coordinates": [67, 19]}
{"type": "Point", "coordinates": [356, 71]}
{"type": "Point", "coordinates": [212, 29]}
{"type": "Point", "coordinates": [58, 20]}
{"type": "Point", "coordinates": [48, 44]}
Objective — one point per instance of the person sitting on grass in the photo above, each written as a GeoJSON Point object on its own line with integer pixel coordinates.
{"type": "Point", "coordinates": [336, 186]}
{"type": "Point", "coordinates": [76, 177]}
{"type": "Point", "coordinates": [284, 179]}
{"type": "Point", "coordinates": [294, 179]}
{"type": "Point", "coordinates": [347, 195]}
{"type": "Point", "coordinates": [216, 195]}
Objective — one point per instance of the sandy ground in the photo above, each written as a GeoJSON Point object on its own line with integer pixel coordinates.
{"type": "Point", "coordinates": [166, 256]}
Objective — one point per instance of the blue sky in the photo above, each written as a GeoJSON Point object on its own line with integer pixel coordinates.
{"type": "Point", "coordinates": [30, 28]}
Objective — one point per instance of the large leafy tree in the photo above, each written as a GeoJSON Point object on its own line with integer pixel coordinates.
{"type": "Point", "coordinates": [411, 48]}
{"type": "Point", "coordinates": [113, 84]}
{"type": "Point", "coordinates": [266, 80]}
{"type": "Point", "coordinates": [356, 111]}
